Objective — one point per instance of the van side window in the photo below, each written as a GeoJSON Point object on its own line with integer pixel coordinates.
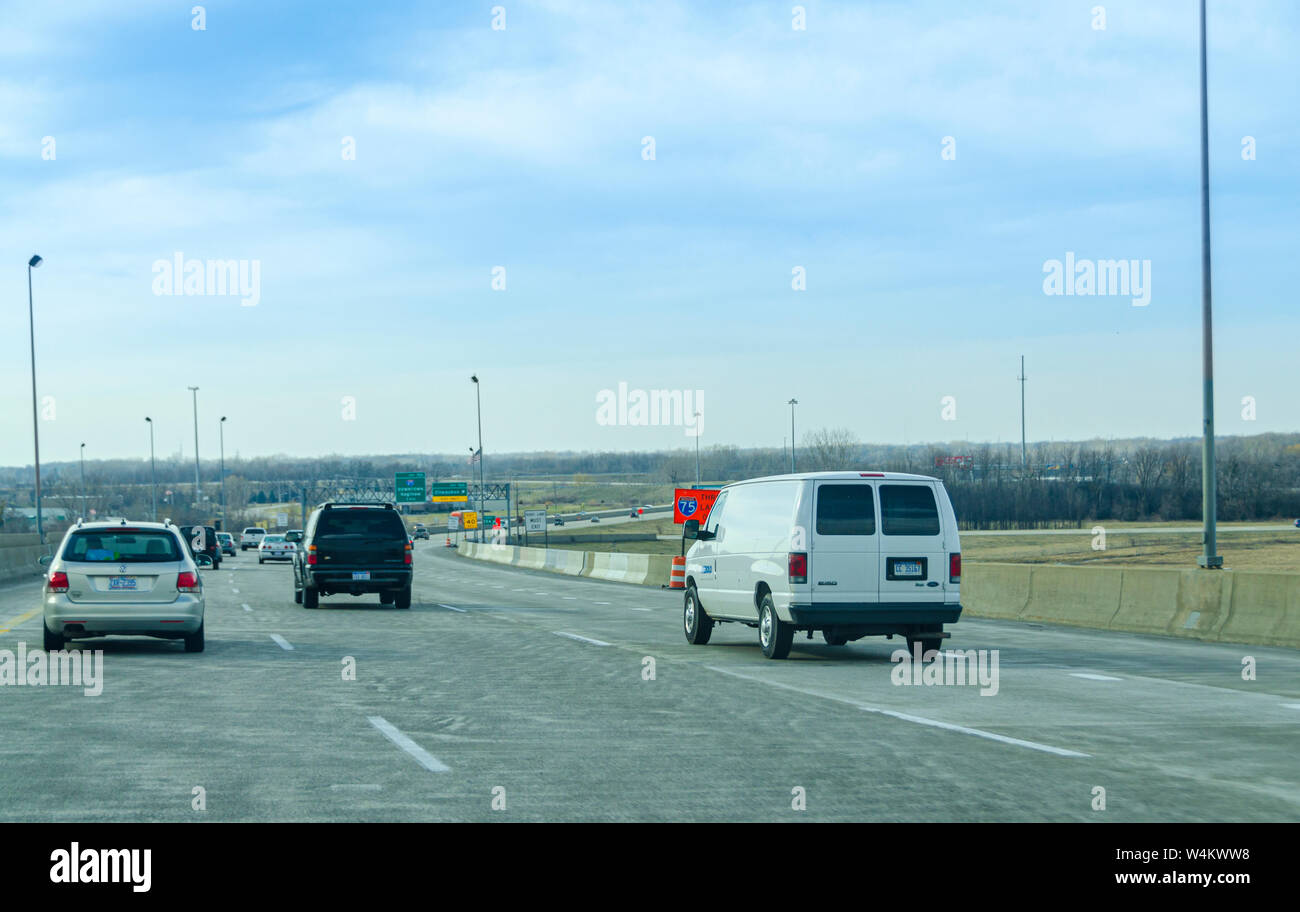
{"type": "Point", "coordinates": [908, 510]}
{"type": "Point", "coordinates": [715, 514]}
{"type": "Point", "coordinates": [845, 509]}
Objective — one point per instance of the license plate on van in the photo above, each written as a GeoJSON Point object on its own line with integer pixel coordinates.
{"type": "Point", "coordinates": [907, 569]}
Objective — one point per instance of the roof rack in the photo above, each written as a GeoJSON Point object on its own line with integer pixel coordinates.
{"type": "Point", "coordinates": [355, 503]}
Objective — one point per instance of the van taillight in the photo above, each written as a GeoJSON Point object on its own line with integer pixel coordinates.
{"type": "Point", "coordinates": [797, 564]}
{"type": "Point", "coordinates": [58, 582]}
{"type": "Point", "coordinates": [954, 568]}
{"type": "Point", "coordinates": [187, 581]}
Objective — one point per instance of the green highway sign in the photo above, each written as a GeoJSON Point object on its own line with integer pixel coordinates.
{"type": "Point", "coordinates": [409, 487]}
{"type": "Point", "coordinates": [448, 492]}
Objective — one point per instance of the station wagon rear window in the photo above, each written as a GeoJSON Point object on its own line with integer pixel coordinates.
{"type": "Point", "coordinates": [845, 509]}
{"type": "Point", "coordinates": [123, 546]}
{"type": "Point", "coordinates": [908, 510]}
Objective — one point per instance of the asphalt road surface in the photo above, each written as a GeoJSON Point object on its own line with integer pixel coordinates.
{"type": "Point", "coordinates": [531, 688]}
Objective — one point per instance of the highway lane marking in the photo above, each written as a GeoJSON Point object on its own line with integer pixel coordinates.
{"type": "Point", "coordinates": [1291, 705]}
{"type": "Point", "coordinates": [246, 608]}
{"type": "Point", "coordinates": [581, 639]}
{"type": "Point", "coordinates": [907, 717]}
{"type": "Point", "coordinates": [600, 603]}
{"type": "Point", "coordinates": [1093, 677]}
{"type": "Point", "coordinates": [422, 756]}
{"type": "Point", "coordinates": [518, 590]}
{"type": "Point", "coordinates": [235, 591]}
{"type": "Point", "coordinates": [452, 608]}
{"type": "Point", "coordinates": [570, 598]}
{"type": "Point", "coordinates": [282, 642]}
{"type": "Point", "coordinates": [638, 609]}
{"type": "Point", "coordinates": [21, 619]}
{"type": "Point", "coordinates": [367, 787]}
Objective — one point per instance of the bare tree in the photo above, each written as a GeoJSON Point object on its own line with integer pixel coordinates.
{"type": "Point", "coordinates": [832, 449]}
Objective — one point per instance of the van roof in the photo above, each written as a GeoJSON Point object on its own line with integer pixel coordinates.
{"type": "Point", "coordinates": [838, 476]}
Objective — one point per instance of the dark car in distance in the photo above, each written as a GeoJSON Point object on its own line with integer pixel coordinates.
{"type": "Point", "coordinates": [202, 540]}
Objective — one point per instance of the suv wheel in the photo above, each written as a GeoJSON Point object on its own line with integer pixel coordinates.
{"type": "Point", "coordinates": [195, 641]}
{"type": "Point", "coordinates": [310, 598]}
{"type": "Point", "coordinates": [53, 641]}
{"type": "Point", "coordinates": [697, 625]}
{"type": "Point", "coordinates": [387, 598]}
{"type": "Point", "coordinates": [774, 634]}
{"type": "Point", "coordinates": [403, 598]}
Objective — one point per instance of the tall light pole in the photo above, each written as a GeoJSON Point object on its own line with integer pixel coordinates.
{"type": "Point", "coordinates": [1021, 378]}
{"type": "Point", "coordinates": [697, 448]}
{"type": "Point", "coordinates": [478, 401]}
{"type": "Point", "coordinates": [792, 403]}
{"type": "Point", "coordinates": [153, 470]}
{"type": "Point", "coordinates": [34, 262]}
{"type": "Point", "coordinates": [198, 494]}
{"type": "Point", "coordinates": [83, 481]}
{"type": "Point", "coordinates": [1210, 559]}
{"type": "Point", "coordinates": [222, 427]}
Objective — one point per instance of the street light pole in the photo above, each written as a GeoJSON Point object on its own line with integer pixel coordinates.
{"type": "Point", "coordinates": [222, 426]}
{"type": "Point", "coordinates": [792, 403]}
{"type": "Point", "coordinates": [1021, 378]}
{"type": "Point", "coordinates": [153, 470]}
{"type": "Point", "coordinates": [33, 263]}
{"type": "Point", "coordinates": [697, 448]}
{"type": "Point", "coordinates": [198, 493]}
{"type": "Point", "coordinates": [83, 481]}
{"type": "Point", "coordinates": [1210, 559]}
{"type": "Point", "coordinates": [478, 402]}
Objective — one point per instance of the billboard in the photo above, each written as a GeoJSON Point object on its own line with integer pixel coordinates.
{"type": "Point", "coordinates": [693, 503]}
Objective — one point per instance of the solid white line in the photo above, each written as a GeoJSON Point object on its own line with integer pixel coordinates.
{"type": "Point", "coordinates": [1093, 677]}
{"type": "Point", "coordinates": [907, 717]}
{"type": "Point", "coordinates": [452, 608]}
{"type": "Point", "coordinates": [422, 756]}
{"type": "Point", "coordinates": [581, 639]}
{"type": "Point", "coordinates": [282, 642]}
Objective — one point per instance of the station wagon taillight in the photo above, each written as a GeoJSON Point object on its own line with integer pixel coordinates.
{"type": "Point", "coordinates": [797, 565]}
{"type": "Point", "coordinates": [954, 568]}
{"type": "Point", "coordinates": [187, 581]}
{"type": "Point", "coordinates": [58, 582]}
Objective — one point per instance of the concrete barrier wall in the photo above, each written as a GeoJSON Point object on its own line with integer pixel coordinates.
{"type": "Point", "coordinates": [639, 569]}
{"type": "Point", "coordinates": [1228, 606]}
{"type": "Point", "coordinates": [19, 556]}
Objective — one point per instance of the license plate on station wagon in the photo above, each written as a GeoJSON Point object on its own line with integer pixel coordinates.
{"type": "Point", "coordinates": [122, 582]}
{"type": "Point", "coordinates": [908, 569]}
{"type": "Point", "coordinates": [361, 574]}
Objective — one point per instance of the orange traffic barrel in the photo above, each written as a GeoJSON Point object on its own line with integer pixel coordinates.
{"type": "Point", "coordinates": [677, 576]}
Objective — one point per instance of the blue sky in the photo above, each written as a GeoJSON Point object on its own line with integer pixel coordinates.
{"type": "Point", "coordinates": [522, 148]}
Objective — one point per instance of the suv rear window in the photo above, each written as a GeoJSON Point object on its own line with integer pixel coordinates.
{"type": "Point", "coordinates": [363, 522]}
{"type": "Point", "coordinates": [122, 546]}
{"type": "Point", "coordinates": [845, 509]}
{"type": "Point", "coordinates": [908, 510]}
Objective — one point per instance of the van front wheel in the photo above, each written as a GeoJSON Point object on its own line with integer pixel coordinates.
{"type": "Point", "coordinates": [774, 634]}
{"type": "Point", "coordinates": [697, 624]}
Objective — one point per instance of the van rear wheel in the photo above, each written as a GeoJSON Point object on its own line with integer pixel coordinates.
{"type": "Point", "coordinates": [928, 645]}
{"type": "Point", "coordinates": [834, 639]}
{"type": "Point", "coordinates": [774, 634]}
{"type": "Point", "coordinates": [697, 625]}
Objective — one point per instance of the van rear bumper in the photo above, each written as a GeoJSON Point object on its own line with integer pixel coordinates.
{"type": "Point", "coordinates": [893, 615]}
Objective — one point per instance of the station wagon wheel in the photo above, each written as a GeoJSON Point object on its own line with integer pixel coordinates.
{"type": "Point", "coordinates": [697, 625]}
{"type": "Point", "coordinates": [53, 641]}
{"type": "Point", "coordinates": [774, 634]}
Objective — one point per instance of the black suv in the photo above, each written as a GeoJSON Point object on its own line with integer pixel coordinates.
{"type": "Point", "coordinates": [353, 548]}
{"type": "Point", "coordinates": [205, 536]}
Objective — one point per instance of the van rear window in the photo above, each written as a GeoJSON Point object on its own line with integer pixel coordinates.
{"type": "Point", "coordinates": [846, 509]}
{"type": "Point", "coordinates": [908, 510]}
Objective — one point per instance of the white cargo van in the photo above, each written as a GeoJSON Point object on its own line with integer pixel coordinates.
{"type": "Point", "coordinates": [850, 554]}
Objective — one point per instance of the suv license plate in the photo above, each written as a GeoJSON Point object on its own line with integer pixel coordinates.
{"type": "Point", "coordinates": [361, 574]}
{"type": "Point", "coordinates": [907, 569]}
{"type": "Point", "coordinates": [121, 582]}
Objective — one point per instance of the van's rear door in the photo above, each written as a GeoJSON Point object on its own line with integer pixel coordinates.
{"type": "Point", "coordinates": [913, 561]}
{"type": "Point", "coordinates": [842, 562]}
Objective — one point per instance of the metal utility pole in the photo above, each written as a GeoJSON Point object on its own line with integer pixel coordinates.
{"type": "Point", "coordinates": [33, 263]}
{"type": "Point", "coordinates": [222, 429]}
{"type": "Point", "coordinates": [792, 403]}
{"type": "Point", "coordinates": [1021, 378]}
{"type": "Point", "coordinates": [83, 481]}
{"type": "Point", "coordinates": [153, 470]}
{"type": "Point", "coordinates": [198, 491]}
{"type": "Point", "coordinates": [478, 402]}
{"type": "Point", "coordinates": [1210, 559]}
{"type": "Point", "coordinates": [697, 448]}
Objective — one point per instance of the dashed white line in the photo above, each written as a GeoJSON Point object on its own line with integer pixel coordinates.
{"type": "Point", "coordinates": [600, 603]}
{"type": "Point", "coordinates": [282, 642]}
{"type": "Point", "coordinates": [422, 756]}
{"type": "Point", "coordinates": [907, 717]}
{"type": "Point", "coordinates": [1093, 677]}
{"type": "Point", "coordinates": [452, 608]}
{"type": "Point", "coordinates": [581, 639]}
{"type": "Point", "coordinates": [235, 591]}
{"type": "Point", "coordinates": [246, 608]}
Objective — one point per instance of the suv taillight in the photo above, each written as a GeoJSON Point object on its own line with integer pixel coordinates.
{"type": "Point", "coordinates": [311, 554]}
{"type": "Point", "coordinates": [187, 581]}
{"type": "Point", "coordinates": [58, 582]}
{"type": "Point", "coordinates": [954, 568]}
{"type": "Point", "coordinates": [797, 565]}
